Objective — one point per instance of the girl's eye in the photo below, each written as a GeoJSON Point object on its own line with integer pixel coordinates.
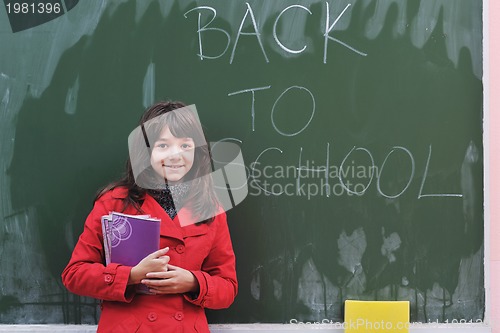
{"type": "Point", "coordinates": [186, 146]}
{"type": "Point", "coordinates": [162, 145]}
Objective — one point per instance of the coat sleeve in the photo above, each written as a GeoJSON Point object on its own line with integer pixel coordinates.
{"type": "Point", "coordinates": [85, 274]}
{"type": "Point", "coordinates": [217, 277]}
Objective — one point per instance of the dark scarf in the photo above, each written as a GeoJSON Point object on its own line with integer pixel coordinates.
{"type": "Point", "coordinates": [170, 197]}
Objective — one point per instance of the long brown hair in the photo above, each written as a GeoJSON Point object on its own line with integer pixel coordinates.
{"type": "Point", "coordinates": [202, 199]}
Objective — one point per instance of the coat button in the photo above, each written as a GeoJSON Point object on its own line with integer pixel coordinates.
{"type": "Point", "coordinates": [180, 248]}
{"type": "Point", "coordinates": [108, 278]}
{"type": "Point", "coordinates": [179, 316]}
{"type": "Point", "coordinates": [152, 316]}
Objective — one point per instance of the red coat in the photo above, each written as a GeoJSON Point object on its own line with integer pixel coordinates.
{"type": "Point", "coordinates": [205, 250]}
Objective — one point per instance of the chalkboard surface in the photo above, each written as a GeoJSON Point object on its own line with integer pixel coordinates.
{"type": "Point", "coordinates": [360, 123]}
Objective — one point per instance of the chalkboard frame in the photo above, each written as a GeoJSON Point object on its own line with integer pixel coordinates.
{"type": "Point", "coordinates": [486, 198]}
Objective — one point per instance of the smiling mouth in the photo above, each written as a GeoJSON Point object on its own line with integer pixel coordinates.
{"type": "Point", "coordinates": [173, 166]}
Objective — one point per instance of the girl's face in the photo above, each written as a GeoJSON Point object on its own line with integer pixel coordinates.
{"type": "Point", "coordinates": [172, 157]}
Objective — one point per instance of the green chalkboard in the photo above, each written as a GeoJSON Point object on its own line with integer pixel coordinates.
{"type": "Point", "coordinates": [360, 123]}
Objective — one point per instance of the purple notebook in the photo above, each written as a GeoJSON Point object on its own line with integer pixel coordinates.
{"type": "Point", "coordinates": [129, 238]}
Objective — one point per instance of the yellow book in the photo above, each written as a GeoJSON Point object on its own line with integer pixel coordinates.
{"type": "Point", "coordinates": [377, 316]}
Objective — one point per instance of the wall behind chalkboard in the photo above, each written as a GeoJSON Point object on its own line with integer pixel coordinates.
{"type": "Point", "coordinates": [360, 123]}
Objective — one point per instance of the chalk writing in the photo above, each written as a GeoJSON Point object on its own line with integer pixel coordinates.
{"type": "Point", "coordinates": [275, 35]}
{"type": "Point", "coordinates": [420, 195]}
{"type": "Point", "coordinates": [329, 28]}
{"type": "Point", "coordinates": [342, 167]}
{"type": "Point", "coordinates": [325, 187]}
{"type": "Point", "coordinates": [409, 180]}
{"type": "Point", "coordinates": [256, 33]}
{"type": "Point", "coordinates": [206, 28]}
{"type": "Point", "coordinates": [310, 118]}
{"type": "Point", "coordinates": [325, 169]}
{"type": "Point", "coordinates": [257, 161]}
{"type": "Point", "coordinates": [327, 172]}
{"type": "Point", "coordinates": [252, 90]}
{"type": "Point", "coordinates": [249, 15]}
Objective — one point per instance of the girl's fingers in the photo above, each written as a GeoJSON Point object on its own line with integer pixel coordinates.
{"type": "Point", "coordinates": [162, 283]}
{"type": "Point", "coordinates": [164, 257]}
{"type": "Point", "coordinates": [159, 253]}
{"type": "Point", "coordinates": [160, 275]}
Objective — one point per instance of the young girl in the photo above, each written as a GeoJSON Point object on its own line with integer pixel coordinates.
{"type": "Point", "coordinates": [195, 266]}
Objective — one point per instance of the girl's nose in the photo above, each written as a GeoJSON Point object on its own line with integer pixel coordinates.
{"type": "Point", "coordinates": [174, 152]}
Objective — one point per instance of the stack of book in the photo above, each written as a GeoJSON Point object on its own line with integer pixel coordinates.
{"type": "Point", "coordinates": [128, 239]}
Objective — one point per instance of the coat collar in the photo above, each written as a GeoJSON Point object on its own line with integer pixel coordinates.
{"type": "Point", "coordinates": [183, 225]}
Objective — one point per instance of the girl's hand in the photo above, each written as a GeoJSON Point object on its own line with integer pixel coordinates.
{"type": "Point", "coordinates": [174, 281]}
{"type": "Point", "coordinates": [155, 262]}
